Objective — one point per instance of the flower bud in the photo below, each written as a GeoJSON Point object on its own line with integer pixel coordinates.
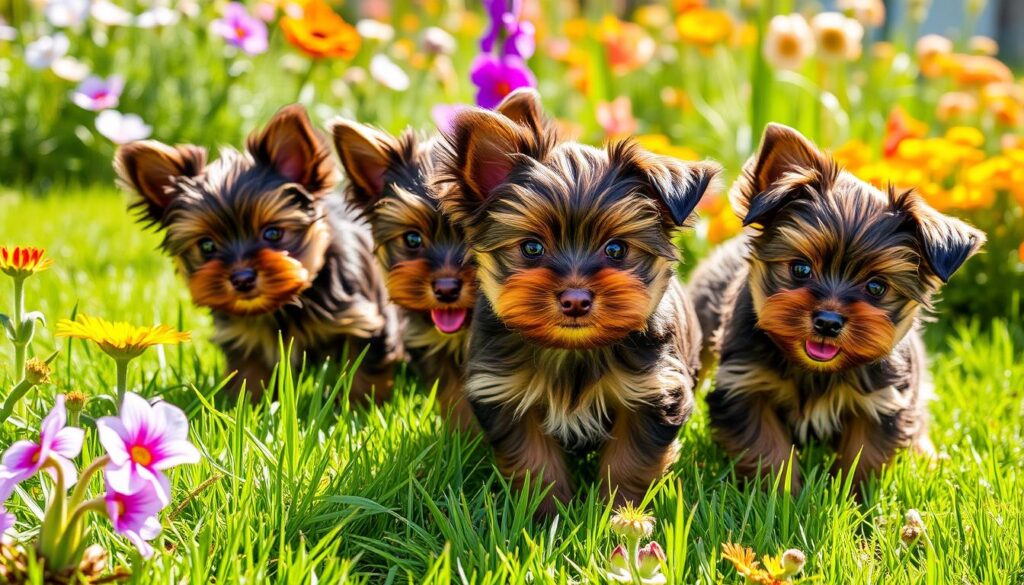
{"type": "Point", "coordinates": [649, 559]}
{"type": "Point", "coordinates": [74, 402]}
{"type": "Point", "coordinates": [793, 561]}
{"type": "Point", "coordinates": [913, 518]}
{"type": "Point", "coordinates": [632, 524]}
{"type": "Point", "coordinates": [37, 372]}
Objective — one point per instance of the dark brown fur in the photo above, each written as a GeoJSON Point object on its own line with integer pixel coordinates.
{"type": "Point", "coordinates": [756, 313]}
{"type": "Point", "coordinates": [318, 285]}
{"type": "Point", "coordinates": [619, 379]}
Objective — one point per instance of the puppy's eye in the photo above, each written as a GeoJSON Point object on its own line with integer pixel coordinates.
{"type": "Point", "coordinates": [273, 234]}
{"type": "Point", "coordinates": [206, 246]}
{"type": "Point", "coordinates": [532, 249]}
{"type": "Point", "coordinates": [615, 249]}
{"type": "Point", "coordinates": [876, 287]}
{"type": "Point", "coordinates": [800, 270]}
{"type": "Point", "coordinates": [413, 240]}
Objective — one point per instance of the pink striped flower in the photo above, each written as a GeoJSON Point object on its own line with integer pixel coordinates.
{"type": "Point", "coordinates": [57, 445]}
{"type": "Point", "coordinates": [142, 442]}
{"type": "Point", "coordinates": [95, 93]}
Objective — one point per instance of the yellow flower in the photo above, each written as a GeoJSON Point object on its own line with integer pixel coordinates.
{"type": "Point", "coordinates": [788, 42]}
{"type": "Point", "coordinates": [742, 558]}
{"type": "Point", "coordinates": [632, 523]}
{"type": "Point", "coordinates": [121, 341]}
{"type": "Point", "coordinates": [977, 70]}
{"type": "Point", "coordinates": [838, 37]}
{"type": "Point", "coordinates": [982, 45]}
{"type": "Point", "coordinates": [932, 51]}
{"type": "Point", "coordinates": [660, 144]}
{"type": "Point", "coordinates": [20, 262]}
{"type": "Point", "coordinates": [965, 135]}
{"type": "Point", "coordinates": [704, 27]}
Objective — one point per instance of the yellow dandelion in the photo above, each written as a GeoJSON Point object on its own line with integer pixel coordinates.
{"type": "Point", "coordinates": [120, 340]}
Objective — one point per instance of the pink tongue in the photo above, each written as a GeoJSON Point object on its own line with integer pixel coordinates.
{"type": "Point", "coordinates": [821, 352]}
{"type": "Point", "coordinates": [448, 320]}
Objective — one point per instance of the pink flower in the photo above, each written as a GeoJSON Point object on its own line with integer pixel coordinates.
{"type": "Point", "coordinates": [616, 117]}
{"type": "Point", "coordinates": [122, 128]}
{"type": "Point", "coordinates": [95, 93]}
{"type": "Point", "coordinates": [134, 515]}
{"type": "Point", "coordinates": [6, 520]}
{"type": "Point", "coordinates": [145, 440]}
{"type": "Point", "coordinates": [242, 30]}
{"type": "Point", "coordinates": [58, 444]}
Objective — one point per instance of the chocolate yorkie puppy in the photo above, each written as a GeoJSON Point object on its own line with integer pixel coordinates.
{"type": "Point", "coordinates": [583, 337]}
{"type": "Point", "coordinates": [815, 313]}
{"type": "Point", "coordinates": [430, 273]}
{"type": "Point", "coordinates": [269, 248]}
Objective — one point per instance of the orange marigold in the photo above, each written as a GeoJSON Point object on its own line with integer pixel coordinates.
{"type": "Point", "coordinates": [704, 27]}
{"type": "Point", "coordinates": [320, 32]}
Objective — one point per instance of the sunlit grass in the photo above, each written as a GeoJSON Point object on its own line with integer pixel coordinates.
{"type": "Point", "coordinates": [305, 487]}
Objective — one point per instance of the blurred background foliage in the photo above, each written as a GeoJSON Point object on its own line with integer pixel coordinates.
{"type": "Point", "coordinates": [691, 78]}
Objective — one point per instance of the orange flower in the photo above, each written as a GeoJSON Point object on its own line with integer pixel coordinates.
{"type": "Point", "coordinates": [660, 144]}
{"type": "Point", "coordinates": [19, 262]}
{"type": "Point", "coordinates": [978, 70]}
{"type": "Point", "coordinates": [982, 45]}
{"type": "Point", "coordinates": [900, 127]}
{"type": "Point", "coordinates": [627, 45]}
{"type": "Point", "coordinates": [704, 27]}
{"type": "Point", "coordinates": [1020, 252]}
{"type": "Point", "coordinates": [681, 6]}
{"type": "Point", "coordinates": [956, 105]}
{"type": "Point", "coordinates": [1005, 101]}
{"type": "Point", "coordinates": [932, 51]}
{"type": "Point", "coordinates": [320, 32]}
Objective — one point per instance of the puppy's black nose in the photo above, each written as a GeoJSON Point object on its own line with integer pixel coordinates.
{"type": "Point", "coordinates": [244, 279]}
{"type": "Point", "coordinates": [575, 302]}
{"type": "Point", "coordinates": [447, 290]}
{"type": "Point", "coordinates": [828, 323]}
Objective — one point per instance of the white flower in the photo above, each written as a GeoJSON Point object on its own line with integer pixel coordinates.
{"type": "Point", "coordinates": [868, 12]}
{"type": "Point", "coordinates": [375, 30]}
{"type": "Point", "coordinates": [70, 69]}
{"type": "Point", "coordinates": [67, 13]}
{"type": "Point", "coordinates": [122, 128]}
{"type": "Point", "coordinates": [385, 72]}
{"type": "Point", "coordinates": [107, 13]}
{"type": "Point", "coordinates": [788, 42]}
{"type": "Point", "coordinates": [838, 37]}
{"type": "Point", "coordinates": [42, 52]}
{"type": "Point", "coordinates": [437, 41]}
{"type": "Point", "coordinates": [7, 33]}
{"type": "Point", "coordinates": [157, 17]}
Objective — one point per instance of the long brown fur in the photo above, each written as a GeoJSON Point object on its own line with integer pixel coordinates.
{"type": "Point", "coordinates": [317, 285]}
{"type": "Point", "coordinates": [543, 382]}
{"type": "Point", "coordinates": [772, 394]}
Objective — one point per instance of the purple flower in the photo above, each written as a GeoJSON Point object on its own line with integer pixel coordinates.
{"type": "Point", "coordinates": [143, 442]}
{"type": "Point", "coordinates": [58, 444]}
{"type": "Point", "coordinates": [134, 515]}
{"type": "Point", "coordinates": [496, 77]}
{"type": "Point", "coordinates": [505, 23]}
{"type": "Point", "coordinates": [6, 519]}
{"type": "Point", "coordinates": [95, 93]}
{"type": "Point", "coordinates": [241, 29]}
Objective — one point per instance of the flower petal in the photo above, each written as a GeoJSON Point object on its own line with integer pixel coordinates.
{"type": "Point", "coordinates": [175, 427]}
{"type": "Point", "coordinates": [136, 414]}
{"type": "Point", "coordinates": [54, 421]}
{"type": "Point", "coordinates": [67, 467]}
{"type": "Point", "coordinates": [151, 528]}
{"type": "Point", "coordinates": [121, 478]}
{"type": "Point", "coordinates": [18, 459]}
{"type": "Point", "coordinates": [114, 438]}
{"type": "Point", "coordinates": [68, 442]}
{"type": "Point", "coordinates": [145, 550]}
{"type": "Point", "coordinates": [172, 453]}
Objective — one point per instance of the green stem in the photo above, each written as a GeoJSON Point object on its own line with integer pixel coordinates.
{"type": "Point", "coordinates": [69, 545]}
{"type": "Point", "coordinates": [122, 379]}
{"type": "Point", "coordinates": [53, 521]}
{"type": "Point", "coordinates": [14, 398]}
{"type": "Point", "coordinates": [19, 312]}
{"type": "Point", "coordinates": [83, 482]}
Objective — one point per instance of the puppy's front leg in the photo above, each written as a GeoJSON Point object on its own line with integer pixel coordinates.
{"type": "Point", "coordinates": [876, 442]}
{"type": "Point", "coordinates": [748, 427]}
{"type": "Point", "coordinates": [641, 447]}
{"type": "Point", "coordinates": [521, 446]}
{"type": "Point", "coordinates": [250, 371]}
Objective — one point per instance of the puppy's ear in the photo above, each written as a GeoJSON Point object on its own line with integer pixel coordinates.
{"type": "Point", "coordinates": [946, 242]}
{"type": "Point", "coordinates": [523, 106]}
{"type": "Point", "coordinates": [676, 185]}
{"type": "Point", "coordinates": [785, 165]}
{"type": "Point", "coordinates": [481, 152]}
{"type": "Point", "coordinates": [150, 168]}
{"type": "Point", "coordinates": [365, 153]}
{"type": "Point", "coordinates": [294, 149]}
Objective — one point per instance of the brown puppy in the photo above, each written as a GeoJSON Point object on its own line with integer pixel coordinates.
{"type": "Point", "coordinates": [430, 272]}
{"type": "Point", "coordinates": [265, 244]}
{"type": "Point", "coordinates": [583, 338]}
{"type": "Point", "coordinates": [815, 313]}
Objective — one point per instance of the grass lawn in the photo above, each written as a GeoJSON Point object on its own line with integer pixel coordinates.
{"type": "Point", "coordinates": [305, 490]}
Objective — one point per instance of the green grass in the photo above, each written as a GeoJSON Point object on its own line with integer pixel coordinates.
{"type": "Point", "coordinates": [306, 487]}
